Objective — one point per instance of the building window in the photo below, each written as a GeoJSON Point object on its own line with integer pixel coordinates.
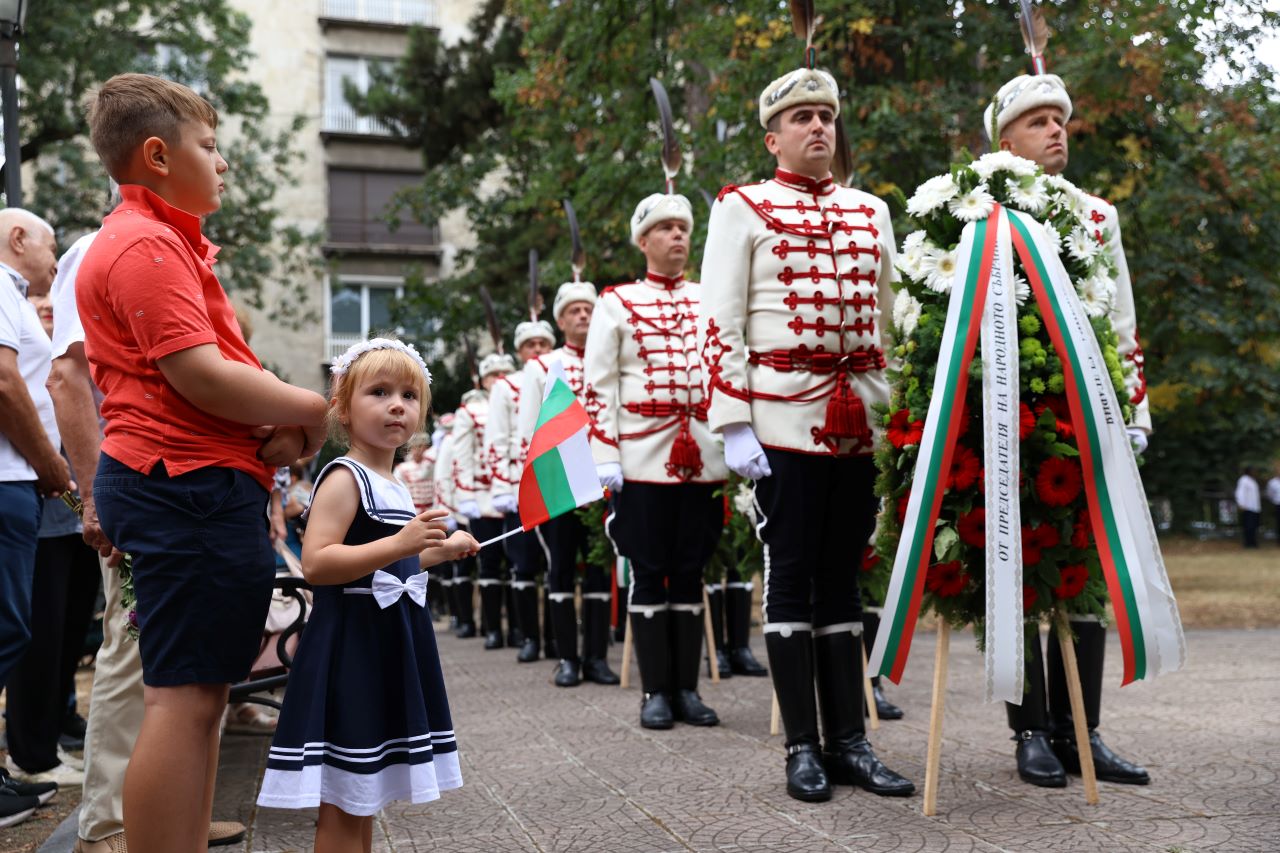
{"type": "Point", "coordinates": [359, 308]}
{"type": "Point", "coordinates": [339, 115]}
{"type": "Point", "coordinates": [359, 201]}
{"type": "Point", "coordinates": [389, 12]}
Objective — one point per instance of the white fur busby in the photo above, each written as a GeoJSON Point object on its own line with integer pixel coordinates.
{"type": "Point", "coordinates": [571, 292]}
{"type": "Point", "coordinates": [659, 207]}
{"type": "Point", "coordinates": [1021, 94]}
{"type": "Point", "coordinates": [496, 362]}
{"type": "Point", "coordinates": [531, 329]}
{"type": "Point", "coordinates": [802, 86]}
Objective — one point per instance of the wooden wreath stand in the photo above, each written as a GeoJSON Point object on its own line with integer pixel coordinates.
{"type": "Point", "coordinates": [934, 753]}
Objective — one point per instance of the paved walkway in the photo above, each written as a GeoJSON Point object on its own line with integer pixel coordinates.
{"type": "Point", "coordinates": [550, 769]}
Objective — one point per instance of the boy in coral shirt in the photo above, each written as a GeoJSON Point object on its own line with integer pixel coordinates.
{"type": "Point", "coordinates": [194, 429]}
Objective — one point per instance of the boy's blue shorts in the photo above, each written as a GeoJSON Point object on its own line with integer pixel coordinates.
{"type": "Point", "coordinates": [203, 567]}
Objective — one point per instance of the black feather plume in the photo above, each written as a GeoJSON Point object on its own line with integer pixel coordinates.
{"type": "Point", "coordinates": [579, 258]}
{"type": "Point", "coordinates": [491, 318]}
{"type": "Point", "coordinates": [671, 156]}
{"type": "Point", "coordinates": [535, 296]}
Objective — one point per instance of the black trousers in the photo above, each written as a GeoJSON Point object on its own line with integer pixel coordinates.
{"type": "Point", "coordinates": [492, 559]}
{"type": "Point", "coordinates": [62, 599]}
{"type": "Point", "coordinates": [668, 532]}
{"type": "Point", "coordinates": [523, 550]}
{"type": "Point", "coordinates": [817, 514]}
{"type": "Point", "coordinates": [1249, 522]}
{"type": "Point", "coordinates": [566, 542]}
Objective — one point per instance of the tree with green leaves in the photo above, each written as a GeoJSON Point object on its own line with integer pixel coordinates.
{"type": "Point", "coordinates": [71, 46]}
{"type": "Point", "coordinates": [1175, 122]}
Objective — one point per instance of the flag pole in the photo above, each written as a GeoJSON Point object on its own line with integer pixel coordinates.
{"type": "Point", "coordinates": [512, 532]}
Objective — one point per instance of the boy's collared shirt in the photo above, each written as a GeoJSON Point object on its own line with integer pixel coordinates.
{"type": "Point", "coordinates": [146, 290]}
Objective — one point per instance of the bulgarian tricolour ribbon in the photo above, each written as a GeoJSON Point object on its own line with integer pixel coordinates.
{"type": "Point", "coordinates": [1146, 613]}
{"type": "Point", "coordinates": [982, 306]}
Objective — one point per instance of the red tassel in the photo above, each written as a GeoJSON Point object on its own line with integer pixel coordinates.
{"type": "Point", "coordinates": [846, 418]}
{"type": "Point", "coordinates": [685, 461]}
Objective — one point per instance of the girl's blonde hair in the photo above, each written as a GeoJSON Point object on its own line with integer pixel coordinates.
{"type": "Point", "coordinates": [396, 365]}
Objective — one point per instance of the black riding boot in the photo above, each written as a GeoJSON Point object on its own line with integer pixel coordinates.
{"type": "Point", "coordinates": [526, 610]}
{"type": "Point", "coordinates": [1091, 648]}
{"type": "Point", "coordinates": [687, 630]}
{"type": "Point", "coordinates": [650, 630]}
{"type": "Point", "coordinates": [1030, 723]}
{"type": "Point", "coordinates": [464, 607]}
{"type": "Point", "coordinates": [491, 607]}
{"type": "Point", "coordinates": [514, 635]}
{"type": "Point", "coordinates": [715, 599]}
{"type": "Point", "coordinates": [738, 612]}
{"type": "Point", "coordinates": [564, 619]}
{"type": "Point", "coordinates": [791, 662]}
{"type": "Point", "coordinates": [595, 642]}
{"type": "Point", "coordinates": [548, 626]}
{"type": "Point", "coordinates": [847, 755]}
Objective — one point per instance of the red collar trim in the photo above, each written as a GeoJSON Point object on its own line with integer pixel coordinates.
{"type": "Point", "coordinates": [151, 205]}
{"type": "Point", "coordinates": [803, 182]}
{"type": "Point", "coordinates": [578, 351]}
{"type": "Point", "coordinates": [664, 281]}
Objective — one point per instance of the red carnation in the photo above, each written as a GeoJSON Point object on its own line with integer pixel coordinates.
{"type": "Point", "coordinates": [728, 510]}
{"type": "Point", "coordinates": [1035, 540]}
{"type": "Point", "coordinates": [869, 559]}
{"type": "Point", "coordinates": [1026, 421]}
{"type": "Point", "coordinates": [965, 420]}
{"type": "Point", "coordinates": [965, 468]}
{"type": "Point", "coordinates": [1029, 597]}
{"type": "Point", "coordinates": [1058, 482]}
{"type": "Point", "coordinates": [947, 580]}
{"type": "Point", "coordinates": [1071, 582]}
{"type": "Point", "coordinates": [1082, 532]}
{"type": "Point", "coordinates": [972, 528]}
{"type": "Point", "coordinates": [1046, 535]}
{"type": "Point", "coordinates": [903, 431]}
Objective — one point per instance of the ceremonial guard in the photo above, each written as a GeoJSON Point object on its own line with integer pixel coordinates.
{"type": "Point", "coordinates": [797, 283]}
{"type": "Point", "coordinates": [654, 452]}
{"type": "Point", "coordinates": [565, 537]}
{"type": "Point", "coordinates": [473, 479]}
{"type": "Point", "coordinates": [505, 455]}
{"type": "Point", "coordinates": [455, 576]}
{"type": "Point", "coordinates": [1028, 117]}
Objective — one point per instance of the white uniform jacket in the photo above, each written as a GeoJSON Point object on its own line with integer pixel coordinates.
{"type": "Point", "coordinates": [504, 450]}
{"type": "Point", "coordinates": [797, 290]}
{"type": "Point", "coordinates": [444, 475]}
{"type": "Point", "coordinates": [644, 381]}
{"type": "Point", "coordinates": [1101, 216]}
{"type": "Point", "coordinates": [472, 476]}
{"type": "Point", "coordinates": [535, 383]}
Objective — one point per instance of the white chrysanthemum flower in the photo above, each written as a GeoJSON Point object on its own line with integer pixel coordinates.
{"type": "Point", "coordinates": [1002, 161]}
{"type": "Point", "coordinates": [1094, 297]}
{"type": "Point", "coordinates": [932, 194]}
{"type": "Point", "coordinates": [913, 249]}
{"type": "Point", "coordinates": [1081, 245]}
{"type": "Point", "coordinates": [906, 312]}
{"type": "Point", "coordinates": [1021, 290]}
{"type": "Point", "coordinates": [976, 204]}
{"type": "Point", "coordinates": [744, 502]}
{"type": "Point", "coordinates": [915, 240]}
{"type": "Point", "coordinates": [1032, 199]}
{"type": "Point", "coordinates": [1054, 238]}
{"type": "Point", "coordinates": [943, 271]}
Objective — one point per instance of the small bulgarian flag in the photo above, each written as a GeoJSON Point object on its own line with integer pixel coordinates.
{"type": "Point", "coordinates": [559, 472]}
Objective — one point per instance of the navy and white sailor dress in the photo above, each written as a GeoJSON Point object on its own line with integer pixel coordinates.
{"type": "Point", "coordinates": [365, 719]}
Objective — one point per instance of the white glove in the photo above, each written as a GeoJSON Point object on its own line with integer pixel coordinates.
{"type": "Point", "coordinates": [505, 504]}
{"type": "Point", "coordinates": [1137, 438]}
{"type": "Point", "coordinates": [470, 509]}
{"type": "Point", "coordinates": [743, 453]}
{"type": "Point", "coordinates": [610, 474]}
{"type": "Point", "coordinates": [450, 524]}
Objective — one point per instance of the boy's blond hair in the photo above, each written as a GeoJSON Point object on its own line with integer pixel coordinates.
{"type": "Point", "coordinates": [395, 364]}
{"type": "Point", "coordinates": [131, 108]}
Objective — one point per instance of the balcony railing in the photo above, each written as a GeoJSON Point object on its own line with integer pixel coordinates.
{"type": "Point", "coordinates": [341, 118]}
{"type": "Point", "coordinates": [337, 344]}
{"type": "Point", "coordinates": [389, 12]}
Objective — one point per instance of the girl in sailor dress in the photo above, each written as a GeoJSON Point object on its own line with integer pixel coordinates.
{"type": "Point", "coordinates": [365, 718]}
